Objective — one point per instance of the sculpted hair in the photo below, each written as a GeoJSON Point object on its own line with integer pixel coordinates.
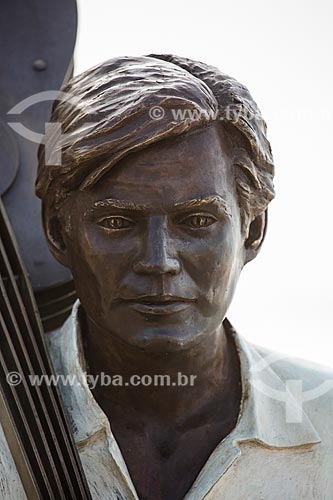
{"type": "Point", "coordinates": [128, 103]}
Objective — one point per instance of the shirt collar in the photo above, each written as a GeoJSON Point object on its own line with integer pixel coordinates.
{"type": "Point", "coordinates": [262, 416]}
{"type": "Point", "coordinates": [270, 414]}
{"type": "Point", "coordinates": [88, 421]}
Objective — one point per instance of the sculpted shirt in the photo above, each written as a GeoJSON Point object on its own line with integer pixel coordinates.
{"type": "Point", "coordinates": [280, 449]}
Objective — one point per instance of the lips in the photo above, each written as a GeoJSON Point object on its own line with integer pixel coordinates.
{"type": "Point", "coordinates": [159, 304]}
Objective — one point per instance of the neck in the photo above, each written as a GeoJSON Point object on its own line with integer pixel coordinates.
{"type": "Point", "coordinates": [195, 380]}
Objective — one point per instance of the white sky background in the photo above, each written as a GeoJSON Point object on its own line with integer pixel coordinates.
{"type": "Point", "coordinates": [282, 51]}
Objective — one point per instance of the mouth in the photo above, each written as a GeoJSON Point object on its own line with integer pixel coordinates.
{"type": "Point", "coordinates": [160, 305]}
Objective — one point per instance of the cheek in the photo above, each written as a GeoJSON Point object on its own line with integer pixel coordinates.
{"type": "Point", "coordinates": [95, 269]}
{"type": "Point", "coordinates": [215, 268]}
{"type": "Point", "coordinates": [86, 282]}
{"type": "Point", "coordinates": [225, 271]}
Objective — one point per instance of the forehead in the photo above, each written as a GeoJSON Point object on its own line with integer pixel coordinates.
{"type": "Point", "coordinates": [191, 166]}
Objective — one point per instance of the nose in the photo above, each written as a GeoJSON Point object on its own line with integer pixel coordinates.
{"type": "Point", "coordinates": [155, 257]}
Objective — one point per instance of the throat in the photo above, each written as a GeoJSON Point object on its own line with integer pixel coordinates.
{"type": "Point", "coordinates": [171, 387]}
{"type": "Point", "coordinates": [164, 460]}
{"type": "Point", "coordinates": [167, 433]}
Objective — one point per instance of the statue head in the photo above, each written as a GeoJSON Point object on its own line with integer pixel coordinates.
{"type": "Point", "coordinates": [160, 198]}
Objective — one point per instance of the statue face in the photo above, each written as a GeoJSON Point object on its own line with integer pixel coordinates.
{"type": "Point", "coordinates": [155, 246]}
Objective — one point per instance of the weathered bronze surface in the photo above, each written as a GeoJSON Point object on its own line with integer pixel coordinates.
{"type": "Point", "coordinates": [156, 217]}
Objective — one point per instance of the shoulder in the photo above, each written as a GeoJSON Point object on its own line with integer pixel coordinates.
{"type": "Point", "coordinates": [316, 383]}
{"type": "Point", "coordinates": [290, 368]}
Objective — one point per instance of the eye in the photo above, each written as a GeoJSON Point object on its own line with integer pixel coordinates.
{"type": "Point", "coordinates": [198, 221]}
{"type": "Point", "coordinates": [115, 222]}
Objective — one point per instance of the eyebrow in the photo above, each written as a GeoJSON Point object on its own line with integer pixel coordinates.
{"type": "Point", "coordinates": [120, 204]}
{"type": "Point", "coordinates": [198, 203]}
{"type": "Point", "coordinates": [216, 200]}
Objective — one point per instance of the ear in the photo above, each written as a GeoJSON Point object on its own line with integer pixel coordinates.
{"type": "Point", "coordinates": [54, 233]}
{"type": "Point", "coordinates": [255, 237]}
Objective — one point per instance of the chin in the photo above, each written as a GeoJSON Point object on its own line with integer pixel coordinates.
{"type": "Point", "coordinates": [164, 340]}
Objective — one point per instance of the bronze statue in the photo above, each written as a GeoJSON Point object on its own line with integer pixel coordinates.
{"type": "Point", "coordinates": [159, 201]}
